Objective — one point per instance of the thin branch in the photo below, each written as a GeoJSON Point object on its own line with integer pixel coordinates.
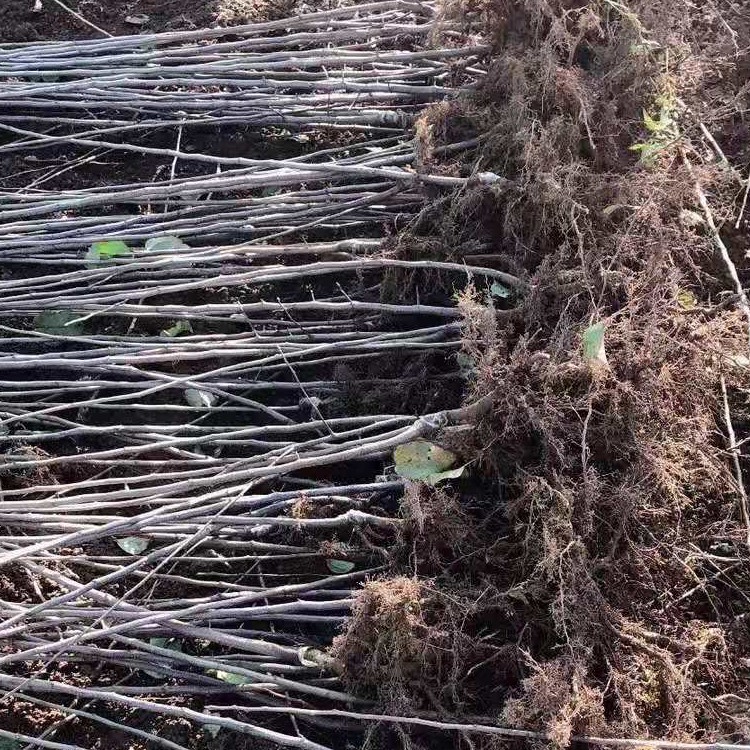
{"type": "Point", "coordinates": [483, 728]}
{"type": "Point", "coordinates": [735, 456]}
{"type": "Point", "coordinates": [743, 300]}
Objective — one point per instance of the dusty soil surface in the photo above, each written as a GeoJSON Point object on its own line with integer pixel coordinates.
{"type": "Point", "coordinates": [19, 22]}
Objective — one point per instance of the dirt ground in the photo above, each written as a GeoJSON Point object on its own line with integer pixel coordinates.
{"type": "Point", "coordinates": [19, 22]}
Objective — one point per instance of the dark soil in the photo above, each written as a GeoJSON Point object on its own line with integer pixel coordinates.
{"type": "Point", "coordinates": [19, 22]}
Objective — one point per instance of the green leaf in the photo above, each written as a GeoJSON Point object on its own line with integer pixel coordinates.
{"type": "Point", "coordinates": [593, 343]}
{"type": "Point", "coordinates": [178, 328]}
{"type": "Point", "coordinates": [92, 258]}
{"type": "Point", "coordinates": [162, 244]}
{"type": "Point", "coordinates": [441, 476]}
{"type": "Point", "coordinates": [686, 299]}
{"type": "Point", "coordinates": [58, 323]}
{"type": "Point", "coordinates": [653, 125]}
{"type": "Point", "coordinates": [498, 290]}
{"type": "Point", "coordinates": [649, 151]}
{"type": "Point", "coordinates": [212, 730]}
{"type": "Point", "coordinates": [101, 252]}
{"type": "Point", "coordinates": [421, 460]}
{"type": "Point", "coordinates": [8, 744]}
{"type": "Point", "coordinates": [133, 545]}
{"type": "Point", "coordinates": [231, 677]}
{"type": "Point", "coordinates": [110, 248]}
{"type": "Point", "coordinates": [339, 567]}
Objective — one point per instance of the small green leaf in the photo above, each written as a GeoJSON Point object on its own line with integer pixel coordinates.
{"type": "Point", "coordinates": [111, 248]}
{"type": "Point", "coordinates": [498, 290]}
{"type": "Point", "coordinates": [58, 323]}
{"type": "Point", "coordinates": [178, 329]}
{"type": "Point", "coordinates": [420, 460]}
{"type": "Point", "coordinates": [593, 343]}
{"type": "Point", "coordinates": [212, 730]}
{"type": "Point", "coordinates": [652, 125]}
{"type": "Point", "coordinates": [133, 545]}
{"type": "Point", "coordinates": [92, 258]}
{"type": "Point", "coordinates": [441, 476]}
{"type": "Point", "coordinates": [686, 299]}
{"type": "Point", "coordinates": [162, 244]}
{"type": "Point", "coordinates": [101, 252]}
{"type": "Point", "coordinates": [339, 567]}
{"type": "Point", "coordinates": [231, 677]}
{"type": "Point", "coordinates": [649, 152]}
